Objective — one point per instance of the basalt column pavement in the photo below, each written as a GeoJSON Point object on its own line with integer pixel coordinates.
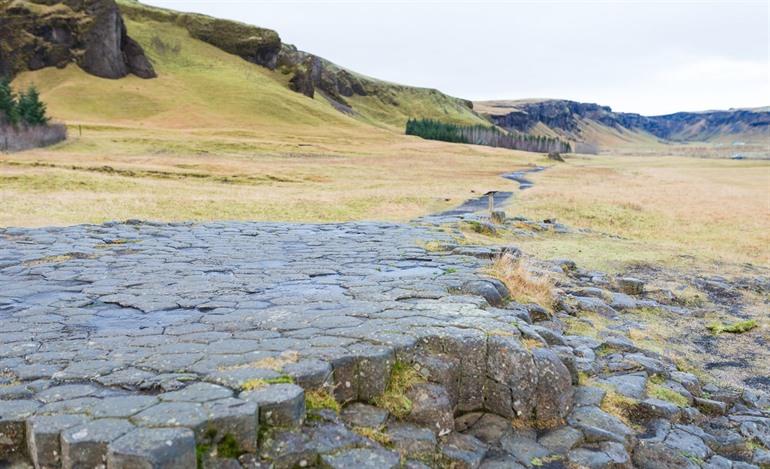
{"type": "Point", "coordinates": [132, 344]}
{"type": "Point", "coordinates": [255, 345]}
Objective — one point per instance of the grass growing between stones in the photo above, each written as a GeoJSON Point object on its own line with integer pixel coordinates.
{"type": "Point", "coordinates": [320, 399]}
{"type": "Point", "coordinates": [739, 327]}
{"type": "Point", "coordinates": [259, 383]}
{"type": "Point", "coordinates": [623, 407]}
{"type": "Point", "coordinates": [656, 390]}
{"type": "Point", "coordinates": [402, 377]}
{"type": "Point", "coordinates": [587, 324]}
{"type": "Point", "coordinates": [228, 447]}
{"type": "Point", "coordinates": [523, 285]}
{"type": "Point", "coordinates": [485, 229]}
{"type": "Point", "coordinates": [374, 434]}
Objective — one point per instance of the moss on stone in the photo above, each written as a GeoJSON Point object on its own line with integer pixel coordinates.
{"type": "Point", "coordinates": [739, 327]}
{"type": "Point", "coordinates": [402, 377]}
{"type": "Point", "coordinates": [319, 399]}
{"type": "Point", "coordinates": [228, 447]}
{"type": "Point", "coordinates": [260, 383]}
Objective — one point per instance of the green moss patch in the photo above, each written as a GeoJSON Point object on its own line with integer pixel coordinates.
{"type": "Point", "coordinates": [402, 377]}
{"type": "Point", "coordinates": [320, 399]}
{"type": "Point", "coordinates": [739, 327]}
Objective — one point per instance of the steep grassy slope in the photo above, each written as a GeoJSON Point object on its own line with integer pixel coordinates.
{"type": "Point", "coordinates": [198, 85]}
{"type": "Point", "coordinates": [216, 137]}
{"type": "Point", "coordinates": [201, 85]}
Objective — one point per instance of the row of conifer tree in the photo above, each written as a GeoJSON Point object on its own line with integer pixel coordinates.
{"type": "Point", "coordinates": [23, 108]}
{"type": "Point", "coordinates": [483, 135]}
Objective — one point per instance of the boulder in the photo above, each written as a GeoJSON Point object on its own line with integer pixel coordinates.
{"type": "Point", "coordinates": [91, 33]}
{"type": "Point", "coordinates": [431, 408]}
{"type": "Point", "coordinates": [527, 384]}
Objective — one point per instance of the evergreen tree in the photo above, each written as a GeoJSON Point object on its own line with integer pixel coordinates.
{"type": "Point", "coordinates": [31, 109]}
{"type": "Point", "coordinates": [8, 106]}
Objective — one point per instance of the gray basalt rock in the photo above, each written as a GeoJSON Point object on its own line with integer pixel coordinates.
{"type": "Point", "coordinates": [598, 425]}
{"type": "Point", "coordinates": [149, 448]}
{"type": "Point", "coordinates": [561, 439]}
{"type": "Point", "coordinates": [91, 33]}
{"type": "Point", "coordinates": [86, 445]}
{"type": "Point", "coordinates": [411, 440]}
{"type": "Point", "coordinates": [431, 408]}
{"type": "Point", "coordinates": [538, 383]}
{"type": "Point", "coordinates": [43, 441]}
{"type": "Point", "coordinates": [362, 458]}
{"type": "Point", "coordinates": [13, 427]}
{"type": "Point", "coordinates": [462, 451]}
{"type": "Point", "coordinates": [486, 289]}
{"type": "Point", "coordinates": [631, 385]}
{"type": "Point", "coordinates": [280, 405]}
{"type": "Point", "coordinates": [654, 455]}
{"type": "Point", "coordinates": [362, 415]}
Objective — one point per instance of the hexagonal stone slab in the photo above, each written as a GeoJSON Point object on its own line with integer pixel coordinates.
{"type": "Point", "coordinates": [122, 407]}
{"type": "Point", "coordinates": [197, 392]}
{"type": "Point", "coordinates": [43, 444]}
{"type": "Point", "coordinates": [172, 414]}
{"type": "Point", "coordinates": [280, 405]}
{"type": "Point", "coordinates": [66, 392]}
{"type": "Point", "coordinates": [86, 445]}
{"type": "Point", "coordinates": [362, 458]}
{"type": "Point", "coordinates": [153, 448]}
{"type": "Point", "coordinates": [363, 415]}
{"type": "Point", "coordinates": [13, 427]}
{"type": "Point", "coordinates": [234, 417]}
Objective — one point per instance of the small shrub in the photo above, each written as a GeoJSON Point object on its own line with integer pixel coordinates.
{"type": "Point", "coordinates": [23, 137]}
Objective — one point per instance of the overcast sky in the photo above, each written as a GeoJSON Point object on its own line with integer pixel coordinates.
{"type": "Point", "coordinates": [651, 57]}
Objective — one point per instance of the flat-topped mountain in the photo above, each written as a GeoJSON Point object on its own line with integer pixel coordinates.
{"type": "Point", "coordinates": [580, 121]}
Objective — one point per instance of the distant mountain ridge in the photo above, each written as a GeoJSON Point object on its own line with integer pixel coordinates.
{"type": "Point", "coordinates": [571, 119]}
{"type": "Point", "coordinates": [114, 39]}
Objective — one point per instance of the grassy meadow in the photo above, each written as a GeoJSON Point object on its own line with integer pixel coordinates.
{"type": "Point", "coordinates": [645, 210]}
{"type": "Point", "coordinates": [217, 138]}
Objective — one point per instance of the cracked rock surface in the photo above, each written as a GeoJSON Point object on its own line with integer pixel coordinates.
{"type": "Point", "coordinates": [233, 345]}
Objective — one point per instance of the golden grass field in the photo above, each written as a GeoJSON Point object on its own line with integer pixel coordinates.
{"type": "Point", "coordinates": [217, 138]}
{"type": "Point", "coordinates": [670, 210]}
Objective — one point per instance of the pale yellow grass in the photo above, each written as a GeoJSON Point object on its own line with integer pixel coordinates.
{"type": "Point", "coordinates": [524, 285]}
{"type": "Point", "coordinates": [665, 210]}
{"type": "Point", "coordinates": [304, 174]}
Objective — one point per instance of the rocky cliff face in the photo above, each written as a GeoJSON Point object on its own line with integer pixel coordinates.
{"type": "Point", "coordinates": [567, 117]}
{"type": "Point", "coordinates": [44, 33]}
{"type": "Point", "coordinates": [308, 73]}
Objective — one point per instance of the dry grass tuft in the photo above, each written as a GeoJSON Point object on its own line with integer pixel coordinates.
{"type": "Point", "coordinates": [402, 377]}
{"type": "Point", "coordinates": [269, 363]}
{"type": "Point", "coordinates": [319, 399]}
{"type": "Point", "coordinates": [524, 285]}
{"type": "Point", "coordinates": [374, 434]}
{"type": "Point", "coordinates": [257, 383]}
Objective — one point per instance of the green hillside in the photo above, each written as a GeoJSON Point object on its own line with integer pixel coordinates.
{"type": "Point", "coordinates": [202, 86]}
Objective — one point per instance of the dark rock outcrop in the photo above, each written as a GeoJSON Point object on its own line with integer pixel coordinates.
{"type": "Point", "coordinates": [568, 117]}
{"type": "Point", "coordinates": [91, 33]}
